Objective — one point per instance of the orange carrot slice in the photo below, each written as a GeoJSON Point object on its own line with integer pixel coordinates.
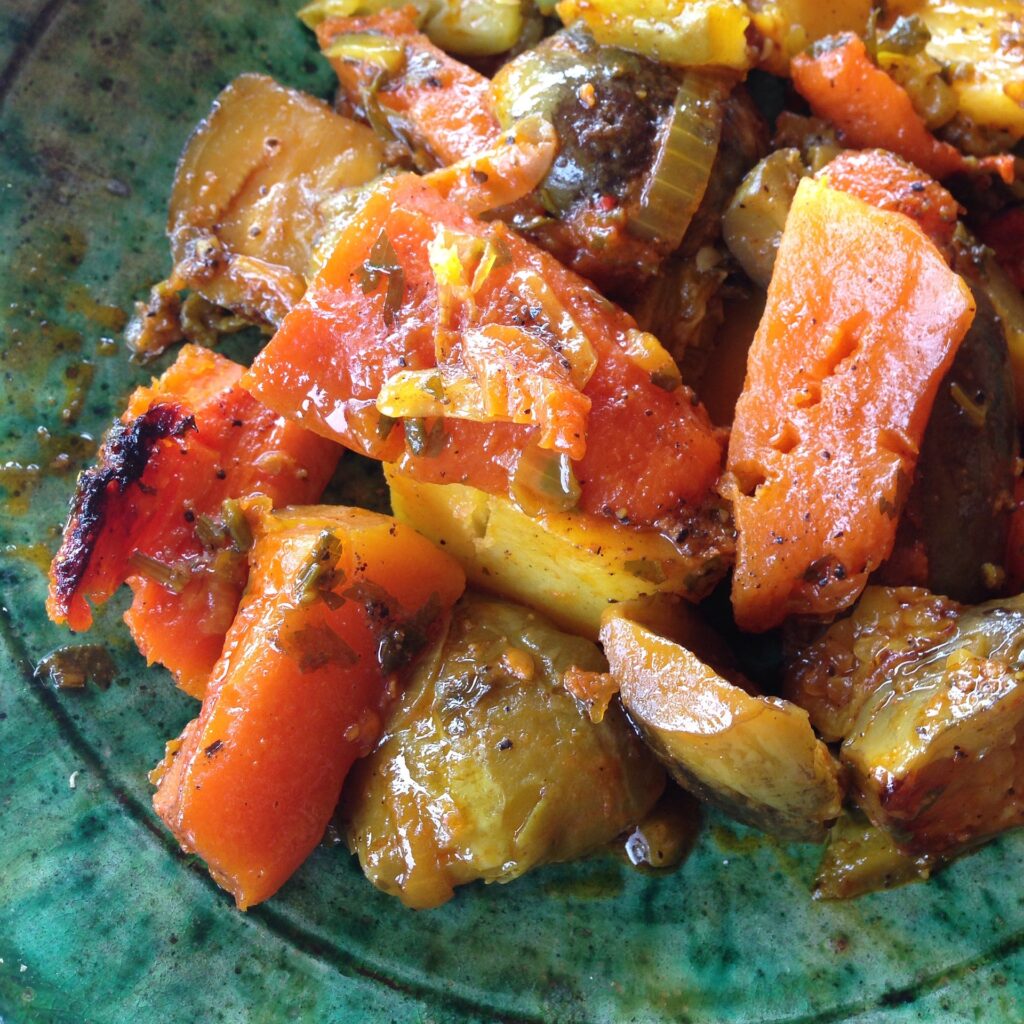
{"type": "Point", "coordinates": [438, 103]}
{"type": "Point", "coordinates": [871, 110]}
{"type": "Point", "coordinates": [378, 309]}
{"type": "Point", "coordinates": [186, 443]}
{"type": "Point", "coordinates": [339, 602]}
{"type": "Point", "coordinates": [862, 321]}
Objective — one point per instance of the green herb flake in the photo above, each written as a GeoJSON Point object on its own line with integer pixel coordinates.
{"type": "Point", "coordinates": [646, 569]}
{"type": "Point", "coordinates": [382, 262]}
{"type": "Point", "coordinates": [319, 573]}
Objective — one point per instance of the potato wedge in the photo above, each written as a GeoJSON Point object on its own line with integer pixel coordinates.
{"type": "Point", "coordinates": [244, 210]}
{"type": "Point", "coordinates": [568, 565]}
{"type": "Point", "coordinates": [981, 40]}
{"type": "Point", "coordinates": [755, 757]}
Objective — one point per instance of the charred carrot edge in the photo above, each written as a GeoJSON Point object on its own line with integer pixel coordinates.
{"type": "Point", "coordinates": [123, 459]}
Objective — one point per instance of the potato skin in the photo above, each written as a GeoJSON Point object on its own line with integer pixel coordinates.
{"type": "Point", "coordinates": [488, 767]}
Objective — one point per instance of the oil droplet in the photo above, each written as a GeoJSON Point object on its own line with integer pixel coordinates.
{"type": "Point", "coordinates": [72, 666]}
{"type": "Point", "coordinates": [80, 300]}
{"type": "Point", "coordinates": [77, 380]}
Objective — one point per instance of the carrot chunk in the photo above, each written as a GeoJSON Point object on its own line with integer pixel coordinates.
{"type": "Point", "coordinates": [439, 104]}
{"type": "Point", "coordinates": [871, 110]}
{"type": "Point", "coordinates": [888, 182]}
{"type": "Point", "coordinates": [339, 602]}
{"type": "Point", "coordinates": [862, 322]}
{"type": "Point", "coordinates": [526, 355]}
{"type": "Point", "coordinates": [186, 443]}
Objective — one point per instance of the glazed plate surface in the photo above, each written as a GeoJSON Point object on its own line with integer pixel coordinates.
{"type": "Point", "coordinates": [102, 920]}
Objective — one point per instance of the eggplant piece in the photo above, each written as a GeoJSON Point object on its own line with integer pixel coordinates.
{"type": "Point", "coordinates": [954, 532]}
{"type": "Point", "coordinates": [637, 150]}
{"type": "Point", "coordinates": [245, 206]}
{"type": "Point", "coordinates": [959, 508]}
{"type": "Point", "coordinates": [683, 304]}
{"type": "Point", "coordinates": [488, 767]}
{"type": "Point", "coordinates": [935, 745]}
{"type": "Point", "coordinates": [834, 675]}
{"type": "Point", "coordinates": [755, 757]}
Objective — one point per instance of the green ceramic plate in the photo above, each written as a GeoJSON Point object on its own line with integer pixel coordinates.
{"type": "Point", "coordinates": [101, 919]}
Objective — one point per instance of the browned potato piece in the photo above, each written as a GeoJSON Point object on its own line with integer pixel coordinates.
{"type": "Point", "coordinates": [755, 757]}
{"type": "Point", "coordinates": [245, 208]}
{"type": "Point", "coordinates": [934, 714]}
{"type": "Point", "coordinates": [833, 677]}
{"type": "Point", "coordinates": [860, 858]}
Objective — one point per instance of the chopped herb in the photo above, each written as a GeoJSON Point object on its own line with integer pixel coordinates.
{"type": "Point", "coordinates": [315, 646]}
{"type": "Point", "coordinates": [424, 437]}
{"type": "Point", "coordinates": [383, 262]}
{"type": "Point", "coordinates": [172, 576]}
{"type": "Point", "coordinates": [228, 529]}
{"type": "Point", "coordinates": [404, 641]}
{"type": "Point", "coordinates": [319, 574]}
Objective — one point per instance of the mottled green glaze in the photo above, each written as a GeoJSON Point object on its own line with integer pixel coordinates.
{"type": "Point", "coordinates": [101, 919]}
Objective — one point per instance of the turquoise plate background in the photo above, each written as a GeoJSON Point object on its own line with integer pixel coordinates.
{"type": "Point", "coordinates": [102, 920]}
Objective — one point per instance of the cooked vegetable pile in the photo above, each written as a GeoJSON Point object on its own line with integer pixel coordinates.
{"type": "Point", "coordinates": [689, 336]}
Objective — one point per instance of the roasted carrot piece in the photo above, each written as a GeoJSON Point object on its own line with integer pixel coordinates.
{"type": "Point", "coordinates": [862, 321]}
{"type": "Point", "coordinates": [889, 182]}
{"type": "Point", "coordinates": [186, 443]}
{"type": "Point", "coordinates": [430, 100]}
{"type": "Point", "coordinates": [871, 110]}
{"type": "Point", "coordinates": [377, 309]}
{"type": "Point", "coordinates": [339, 602]}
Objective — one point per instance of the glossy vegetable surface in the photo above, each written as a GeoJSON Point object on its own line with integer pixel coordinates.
{"type": "Point", "coordinates": [981, 40]}
{"type": "Point", "coordinates": [339, 602]}
{"type": "Point", "coordinates": [567, 565]}
{"type": "Point", "coordinates": [374, 311]}
{"type": "Point", "coordinates": [685, 32]}
{"type": "Point", "coordinates": [152, 511]}
{"type": "Point", "coordinates": [245, 207]}
{"type": "Point", "coordinates": [840, 381]}
{"type": "Point", "coordinates": [487, 767]}
{"type": "Point", "coordinates": [411, 90]}
{"type": "Point", "coordinates": [954, 536]}
{"type": "Point", "coordinates": [860, 858]}
{"type": "Point", "coordinates": [933, 742]}
{"type": "Point", "coordinates": [871, 110]}
{"type": "Point", "coordinates": [755, 757]}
